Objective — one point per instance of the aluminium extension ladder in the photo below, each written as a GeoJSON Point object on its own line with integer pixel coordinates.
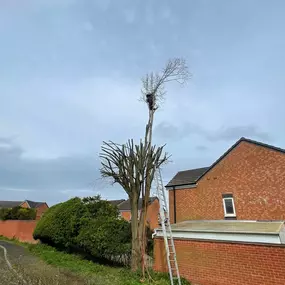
{"type": "Point", "coordinates": [166, 229]}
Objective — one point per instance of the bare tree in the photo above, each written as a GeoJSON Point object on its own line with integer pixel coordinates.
{"type": "Point", "coordinates": [153, 94]}
{"type": "Point", "coordinates": [153, 87]}
{"type": "Point", "coordinates": [133, 166]}
{"type": "Point", "coordinates": [128, 165]}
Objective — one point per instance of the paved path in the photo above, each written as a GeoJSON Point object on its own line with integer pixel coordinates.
{"type": "Point", "coordinates": [17, 254]}
{"type": "Point", "coordinates": [10, 255]}
{"type": "Point", "coordinates": [19, 267]}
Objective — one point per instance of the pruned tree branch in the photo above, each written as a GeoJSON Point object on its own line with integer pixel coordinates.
{"type": "Point", "coordinates": [129, 164]}
{"type": "Point", "coordinates": [154, 82]}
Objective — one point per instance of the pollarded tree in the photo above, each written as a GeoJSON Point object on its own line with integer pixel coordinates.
{"type": "Point", "coordinates": [129, 165]}
{"type": "Point", "coordinates": [153, 94]}
{"type": "Point", "coordinates": [133, 166]}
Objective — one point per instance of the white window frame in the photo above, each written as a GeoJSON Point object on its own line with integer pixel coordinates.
{"type": "Point", "coordinates": [225, 209]}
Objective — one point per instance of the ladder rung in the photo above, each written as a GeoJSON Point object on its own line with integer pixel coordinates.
{"type": "Point", "coordinates": [166, 227]}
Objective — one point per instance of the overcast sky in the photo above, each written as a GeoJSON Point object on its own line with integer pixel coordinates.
{"type": "Point", "coordinates": [70, 78]}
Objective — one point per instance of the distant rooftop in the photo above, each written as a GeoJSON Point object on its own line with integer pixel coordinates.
{"type": "Point", "coordinates": [116, 202]}
{"type": "Point", "coordinates": [126, 205]}
{"type": "Point", "coordinates": [12, 204]}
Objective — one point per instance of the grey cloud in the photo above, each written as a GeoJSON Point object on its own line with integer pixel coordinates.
{"type": "Point", "coordinates": [166, 130]}
{"type": "Point", "coordinates": [52, 3]}
{"type": "Point", "coordinates": [51, 180]}
{"type": "Point", "coordinates": [235, 132]}
{"type": "Point", "coordinates": [201, 147]}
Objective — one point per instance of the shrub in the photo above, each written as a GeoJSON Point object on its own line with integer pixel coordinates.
{"type": "Point", "coordinates": [26, 214]}
{"type": "Point", "coordinates": [100, 208]}
{"type": "Point", "coordinates": [105, 237]}
{"type": "Point", "coordinates": [45, 227]}
{"type": "Point", "coordinates": [5, 214]}
{"type": "Point", "coordinates": [17, 213]}
{"type": "Point", "coordinates": [90, 225]}
{"type": "Point", "coordinates": [61, 223]}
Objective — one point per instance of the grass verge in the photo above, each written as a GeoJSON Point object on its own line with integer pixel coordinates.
{"type": "Point", "coordinates": [92, 272]}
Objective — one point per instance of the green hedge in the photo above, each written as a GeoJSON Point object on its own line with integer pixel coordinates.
{"type": "Point", "coordinates": [105, 237]}
{"type": "Point", "coordinates": [17, 213]}
{"type": "Point", "coordinates": [90, 225]}
{"type": "Point", "coordinates": [60, 224]}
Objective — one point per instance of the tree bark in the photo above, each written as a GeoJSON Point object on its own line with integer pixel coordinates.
{"type": "Point", "coordinates": [136, 260]}
{"type": "Point", "coordinates": [143, 233]}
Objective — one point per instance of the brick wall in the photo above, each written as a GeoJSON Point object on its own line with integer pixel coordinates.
{"type": "Point", "coordinates": [152, 214]}
{"type": "Point", "coordinates": [217, 263]}
{"type": "Point", "coordinates": [21, 230]}
{"type": "Point", "coordinates": [255, 176]}
{"type": "Point", "coordinates": [126, 215]}
{"type": "Point", "coordinates": [25, 205]}
{"type": "Point", "coordinates": [40, 210]}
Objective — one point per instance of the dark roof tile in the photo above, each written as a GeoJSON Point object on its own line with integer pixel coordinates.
{"type": "Point", "coordinates": [10, 204]}
{"type": "Point", "coordinates": [116, 202]}
{"type": "Point", "coordinates": [126, 205]}
{"type": "Point", "coordinates": [186, 177]}
{"type": "Point", "coordinates": [33, 204]}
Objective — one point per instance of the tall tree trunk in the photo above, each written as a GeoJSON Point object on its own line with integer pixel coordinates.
{"type": "Point", "coordinates": [143, 233]}
{"type": "Point", "coordinates": [136, 257]}
{"type": "Point", "coordinates": [146, 191]}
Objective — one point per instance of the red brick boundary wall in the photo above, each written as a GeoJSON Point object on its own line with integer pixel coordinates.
{"type": "Point", "coordinates": [220, 263]}
{"type": "Point", "coordinates": [21, 230]}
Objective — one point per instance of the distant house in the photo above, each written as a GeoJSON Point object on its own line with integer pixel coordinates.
{"type": "Point", "coordinates": [246, 183]}
{"type": "Point", "coordinates": [40, 207]}
{"type": "Point", "coordinates": [117, 202]}
{"type": "Point", "coordinates": [124, 207]}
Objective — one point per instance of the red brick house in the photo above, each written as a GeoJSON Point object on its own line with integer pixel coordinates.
{"type": "Point", "coordinates": [124, 207]}
{"type": "Point", "coordinates": [246, 183]}
{"type": "Point", "coordinates": [228, 219]}
{"type": "Point", "coordinates": [40, 207]}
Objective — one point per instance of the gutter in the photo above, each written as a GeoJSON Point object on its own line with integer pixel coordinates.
{"type": "Point", "coordinates": [182, 186]}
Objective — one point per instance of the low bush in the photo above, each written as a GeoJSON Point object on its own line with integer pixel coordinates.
{"type": "Point", "coordinates": [105, 237]}
{"type": "Point", "coordinates": [17, 213]}
{"type": "Point", "coordinates": [60, 224]}
{"type": "Point", "coordinates": [88, 225]}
